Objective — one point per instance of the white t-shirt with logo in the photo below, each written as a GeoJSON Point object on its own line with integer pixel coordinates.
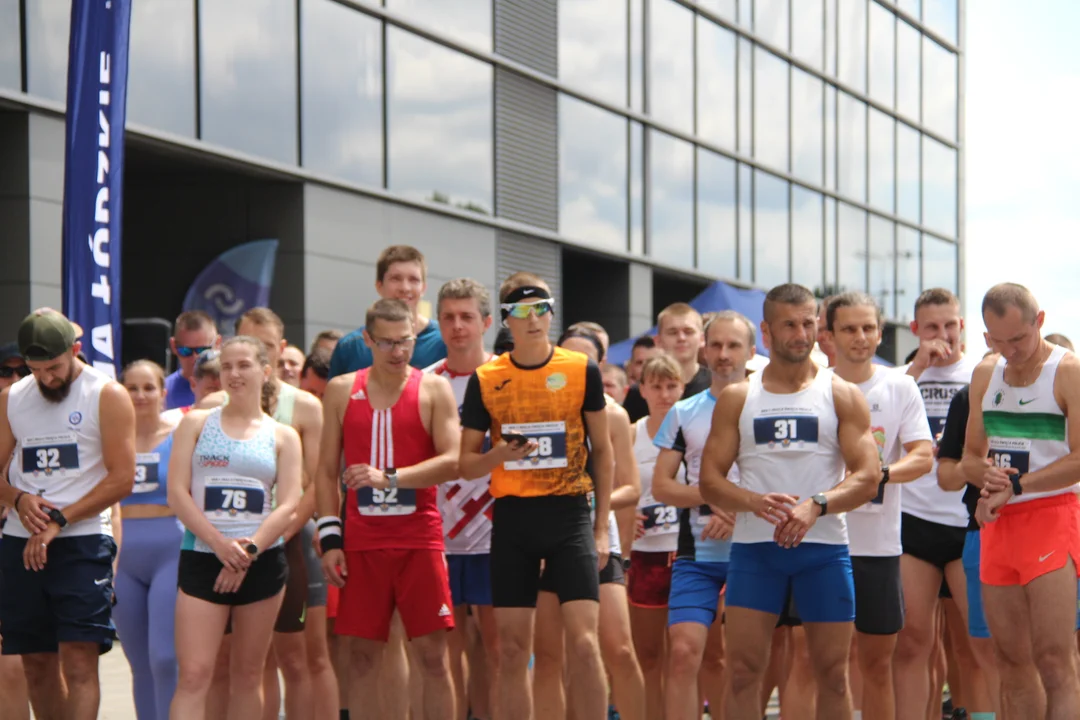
{"type": "Point", "coordinates": [897, 417]}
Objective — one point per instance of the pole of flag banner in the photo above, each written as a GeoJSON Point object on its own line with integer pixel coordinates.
{"type": "Point", "coordinates": [94, 174]}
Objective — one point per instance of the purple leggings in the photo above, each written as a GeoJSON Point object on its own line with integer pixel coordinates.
{"type": "Point", "coordinates": [145, 612]}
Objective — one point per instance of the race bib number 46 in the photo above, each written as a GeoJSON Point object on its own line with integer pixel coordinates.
{"type": "Point", "coordinates": [146, 473]}
{"type": "Point", "coordinates": [1011, 453]}
{"type": "Point", "coordinates": [234, 498]}
{"type": "Point", "coordinates": [391, 501]}
{"type": "Point", "coordinates": [786, 432]}
{"type": "Point", "coordinates": [550, 438]}
{"type": "Point", "coordinates": [51, 456]}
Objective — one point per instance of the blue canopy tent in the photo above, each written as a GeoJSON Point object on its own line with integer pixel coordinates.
{"type": "Point", "coordinates": [716, 297]}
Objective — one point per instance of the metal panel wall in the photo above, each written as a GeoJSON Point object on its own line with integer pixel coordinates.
{"type": "Point", "coordinates": [514, 253]}
{"type": "Point", "coordinates": [527, 31]}
{"type": "Point", "coordinates": [526, 151]}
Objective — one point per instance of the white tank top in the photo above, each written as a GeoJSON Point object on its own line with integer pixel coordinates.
{"type": "Point", "coordinates": [662, 521]}
{"type": "Point", "coordinates": [1026, 428]}
{"type": "Point", "coordinates": [788, 444]}
{"type": "Point", "coordinates": [924, 498]}
{"type": "Point", "coordinates": [232, 480]}
{"type": "Point", "coordinates": [58, 449]}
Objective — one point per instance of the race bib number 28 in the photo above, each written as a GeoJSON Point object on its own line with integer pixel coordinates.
{"type": "Point", "coordinates": [550, 439]}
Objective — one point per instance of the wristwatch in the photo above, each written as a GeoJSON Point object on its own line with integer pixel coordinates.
{"type": "Point", "coordinates": [822, 502]}
{"type": "Point", "coordinates": [252, 549]}
{"type": "Point", "coordinates": [1017, 488]}
{"type": "Point", "coordinates": [58, 517]}
{"type": "Point", "coordinates": [884, 474]}
{"type": "Point", "coordinates": [391, 477]}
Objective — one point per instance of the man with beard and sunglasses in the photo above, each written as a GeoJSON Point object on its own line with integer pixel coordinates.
{"type": "Point", "coordinates": [72, 431]}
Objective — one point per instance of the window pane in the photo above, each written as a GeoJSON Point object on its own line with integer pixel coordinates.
{"type": "Point", "coordinates": [342, 92]}
{"type": "Point", "coordinates": [807, 126]}
{"type": "Point", "coordinates": [941, 17]}
{"type": "Point", "coordinates": [671, 199]}
{"type": "Point", "coordinates": [881, 262]}
{"type": "Point", "coordinates": [807, 260]}
{"type": "Point", "coordinates": [637, 183]}
{"type": "Point", "coordinates": [907, 273]}
{"type": "Point", "coordinates": [716, 214]}
{"type": "Point", "coordinates": [851, 248]}
{"type": "Point", "coordinates": [746, 94]}
{"type": "Point", "coordinates": [746, 11]}
{"type": "Point", "coordinates": [637, 55]}
{"type": "Point", "coordinates": [771, 249]}
{"type": "Point", "coordinates": [882, 54]}
{"type": "Point", "coordinates": [770, 109]}
{"type": "Point", "coordinates": [830, 137]}
{"type": "Point", "coordinates": [47, 28]}
{"type": "Point", "coordinates": [771, 22]}
{"type": "Point", "coordinates": [746, 222]}
{"type": "Point", "coordinates": [939, 89]}
{"type": "Point", "coordinates": [939, 263]}
{"type": "Point", "coordinates": [852, 43]}
{"type": "Point", "coordinates": [592, 174]}
{"type": "Point", "coordinates": [248, 77]}
{"type": "Point", "coordinates": [882, 167]}
{"type": "Point", "coordinates": [716, 84]}
{"type": "Point", "coordinates": [439, 115]}
{"type": "Point", "coordinates": [724, 8]}
{"type": "Point", "coordinates": [939, 187]}
{"type": "Point", "coordinates": [830, 38]}
{"type": "Point", "coordinates": [852, 142]}
{"type": "Point", "coordinates": [908, 173]}
{"type": "Point", "coordinates": [808, 31]}
{"type": "Point", "coordinates": [161, 68]}
{"type": "Point", "coordinates": [10, 47]}
{"type": "Point", "coordinates": [911, 7]}
{"type": "Point", "coordinates": [831, 287]}
{"type": "Point", "coordinates": [908, 64]}
{"type": "Point", "coordinates": [671, 64]}
{"type": "Point", "coordinates": [468, 21]}
{"type": "Point", "coordinates": [592, 47]}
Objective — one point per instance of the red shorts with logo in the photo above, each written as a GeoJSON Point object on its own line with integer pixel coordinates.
{"type": "Point", "coordinates": [1030, 539]}
{"type": "Point", "coordinates": [648, 583]}
{"type": "Point", "coordinates": [414, 582]}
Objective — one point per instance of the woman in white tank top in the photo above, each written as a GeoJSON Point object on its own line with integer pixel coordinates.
{"type": "Point", "coordinates": [656, 534]}
{"type": "Point", "coordinates": [225, 464]}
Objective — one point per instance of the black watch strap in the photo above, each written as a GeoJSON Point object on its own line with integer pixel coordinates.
{"type": "Point", "coordinates": [1017, 488]}
{"type": "Point", "coordinates": [58, 517]}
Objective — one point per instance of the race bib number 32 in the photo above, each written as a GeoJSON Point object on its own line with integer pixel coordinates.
{"type": "Point", "coordinates": [550, 438]}
{"type": "Point", "coordinates": [51, 456]}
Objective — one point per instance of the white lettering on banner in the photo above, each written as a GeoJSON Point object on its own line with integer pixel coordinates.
{"type": "Point", "coordinates": [102, 335]}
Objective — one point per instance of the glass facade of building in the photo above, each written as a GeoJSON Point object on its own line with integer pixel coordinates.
{"type": "Point", "coordinates": [759, 141]}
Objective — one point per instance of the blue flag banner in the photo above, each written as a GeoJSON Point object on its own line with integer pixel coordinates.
{"type": "Point", "coordinates": [236, 281]}
{"type": "Point", "coordinates": [94, 174]}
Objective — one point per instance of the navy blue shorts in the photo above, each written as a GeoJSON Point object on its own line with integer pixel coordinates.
{"type": "Point", "coordinates": [69, 601]}
{"type": "Point", "coordinates": [470, 579]}
{"type": "Point", "coordinates": [818, 577]}
{"type": "Point", "coordinates": [695, 591]}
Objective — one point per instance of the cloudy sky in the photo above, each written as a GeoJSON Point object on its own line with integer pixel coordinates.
{"type": "Point", "coordinates": [1023, 156]}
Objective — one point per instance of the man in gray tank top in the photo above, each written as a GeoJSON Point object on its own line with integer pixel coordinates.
{"type": "Point", "coordinates": [72, 430]}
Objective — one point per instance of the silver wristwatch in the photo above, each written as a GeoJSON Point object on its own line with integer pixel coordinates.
{"type": "Point", "coordinates": [391, 477]}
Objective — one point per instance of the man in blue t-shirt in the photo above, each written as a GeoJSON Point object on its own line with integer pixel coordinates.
{"type": "Point", "coordinates": [400, 274]}
{"type": "Point", "coordinates": [193, 334]}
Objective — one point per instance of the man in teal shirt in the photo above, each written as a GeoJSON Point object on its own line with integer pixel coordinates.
{"type": "Point", "coordinates": [401, 274]}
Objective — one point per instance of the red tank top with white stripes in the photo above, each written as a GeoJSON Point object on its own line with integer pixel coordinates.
{"type": "Point", "coordinates": [390, 438]}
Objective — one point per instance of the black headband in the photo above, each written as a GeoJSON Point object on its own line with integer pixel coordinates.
{"type": "Point", "coordinates": [527, 292]}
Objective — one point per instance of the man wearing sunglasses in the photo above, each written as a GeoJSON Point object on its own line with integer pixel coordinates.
{"type": "Point", "coordinates": [193, 334]}
{"type": "Point", "coordinates": [12, 366]}
{"type": "Point", "coordinates": [545, 408]}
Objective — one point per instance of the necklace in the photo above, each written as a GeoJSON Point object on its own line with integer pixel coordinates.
{"type": "Point", "coordinates": [1031, 375]}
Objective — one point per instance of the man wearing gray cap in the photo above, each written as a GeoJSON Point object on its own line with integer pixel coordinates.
{"type": "Point", "coordinates": [72, 432]}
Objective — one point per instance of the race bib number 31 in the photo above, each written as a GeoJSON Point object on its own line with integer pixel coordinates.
{"type": "Point", "coordinates": [146, 473]}
{"type": "Point", "coordinates": [51, 456]}
{"type": "Point", "coordinates": [391, 501]}
{"type": "Point", "coordinates": [550, 438]}
{"type": "Point", "coordinates": [234, 499]}
{"type": "Point", "coordinates": [786, 432]}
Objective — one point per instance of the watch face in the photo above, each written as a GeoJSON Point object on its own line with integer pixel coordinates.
{"type": "Point", "coordinates": [252, 548]}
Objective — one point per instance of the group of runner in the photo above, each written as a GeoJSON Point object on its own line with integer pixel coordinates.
{"type": "Point", "coordinates": [403, 523]}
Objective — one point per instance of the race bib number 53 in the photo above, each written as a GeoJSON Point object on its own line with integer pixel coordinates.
{"type": "Point", "coordinates": [550, 439]}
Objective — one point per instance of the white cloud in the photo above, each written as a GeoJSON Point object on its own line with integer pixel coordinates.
{"type": "Point", "coordinates": [1023, 157]}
